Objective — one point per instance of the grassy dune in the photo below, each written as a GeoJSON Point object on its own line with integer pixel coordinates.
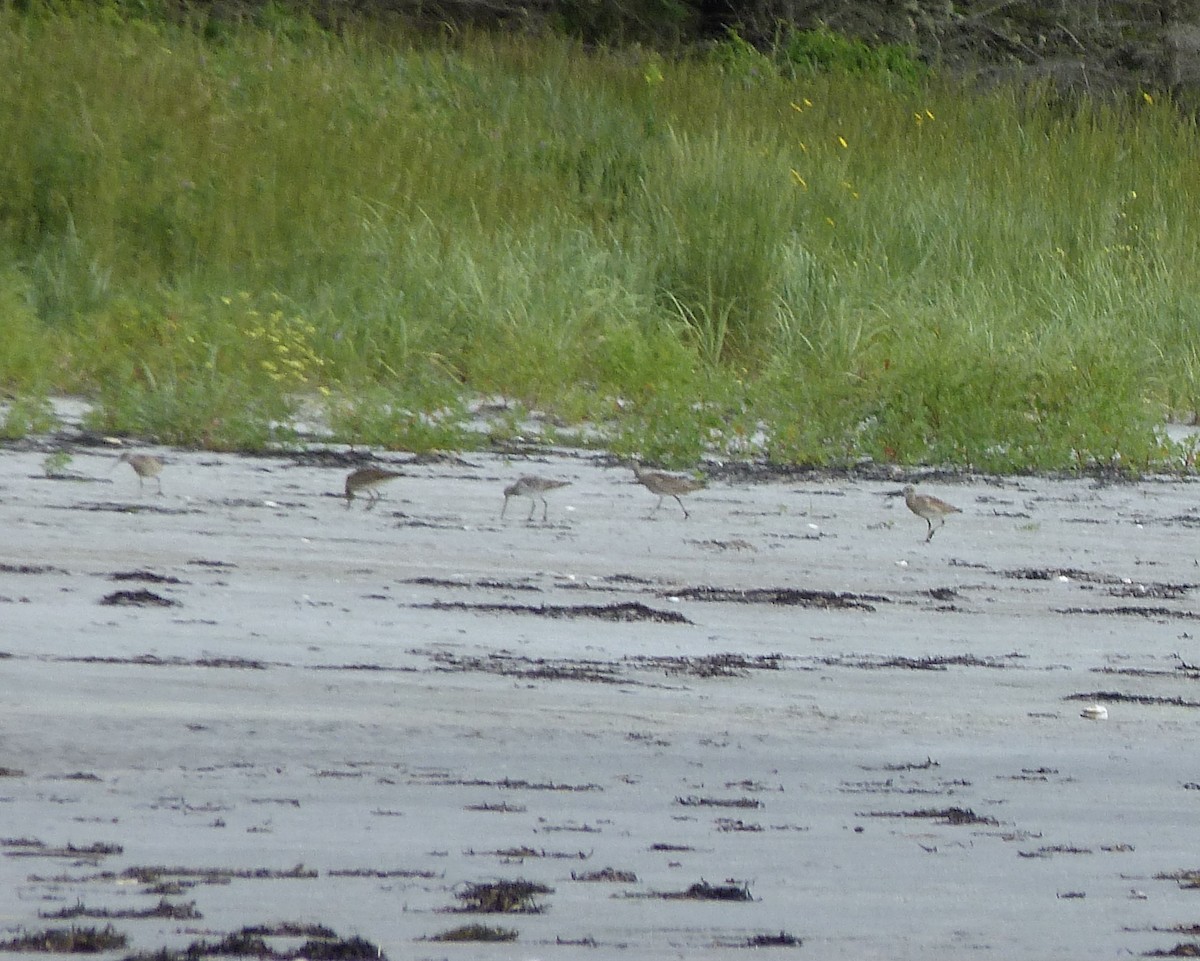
{"type": "Point", "coordinates": [205, 226]}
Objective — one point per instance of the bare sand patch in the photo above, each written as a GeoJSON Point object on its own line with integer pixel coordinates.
{"type": "Point", "coordinates": [785, 722]}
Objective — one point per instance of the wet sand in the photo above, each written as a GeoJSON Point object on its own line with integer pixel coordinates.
{"type": "Point", "coordinates": [788, 707]}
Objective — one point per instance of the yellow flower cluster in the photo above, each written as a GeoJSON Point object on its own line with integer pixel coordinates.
{"type": "Point", "coordinates": [798, 179]}
{"type": "Point", "coordinates": [281, 346]}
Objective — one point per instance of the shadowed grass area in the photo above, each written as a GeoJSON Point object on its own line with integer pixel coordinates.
{"type": "Point", "coordinates": [817, 254]}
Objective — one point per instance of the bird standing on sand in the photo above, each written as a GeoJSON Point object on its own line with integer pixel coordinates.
{"type": "Point", "coordinates": [666, 485]}
{"type": "Point", "coordinates": [365, 480]}
{"type": "Point", "coordinates": [144, 465]}
{"type": "Point", "coordinates": [929, 508]}
{"type": "Point", "coordinates": [534, 488]}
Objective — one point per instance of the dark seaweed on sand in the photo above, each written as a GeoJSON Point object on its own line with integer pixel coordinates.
{"type": "Point", "coordinates": [323, 945]}
{"type": "Point", "coordinates": [950, 815]}
{"type": "Point", "coordinates": [476, 932]}
{"type": "Point", "coordinates": [502, 897]}
{"type": "Point", "coordinates": [70, 940]}
{"type": "Point", "coordinates": [780, 940]}
{"type": "Point", "coordinates": [164, 909]}
{"type": "Point", "coordinates": [139, 598]}
{"type": "Point", "coordinates": [703, 891]}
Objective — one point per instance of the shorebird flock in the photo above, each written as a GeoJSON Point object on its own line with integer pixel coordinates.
{"type": "Point", "coordinates": [365, 482]}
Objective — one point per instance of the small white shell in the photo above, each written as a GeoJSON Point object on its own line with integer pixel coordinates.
{"type": "Point", "coordinates": [1095, 712]}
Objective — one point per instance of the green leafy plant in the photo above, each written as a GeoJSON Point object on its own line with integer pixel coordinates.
{"type": "Point", "coordinates": [24, 415]}
{"type": "Point", "coordinates": [56, 464]}
{"type": "Point", "coordinates": [825, 50]}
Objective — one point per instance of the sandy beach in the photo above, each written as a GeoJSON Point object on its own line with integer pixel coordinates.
{"type": "Point", "coordinates": [785, 721]}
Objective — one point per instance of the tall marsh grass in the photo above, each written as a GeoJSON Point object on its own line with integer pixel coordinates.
{"type": "Point", "coordinates": [205, 225]}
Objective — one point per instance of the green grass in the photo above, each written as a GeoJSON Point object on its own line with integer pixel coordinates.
{"type": "Point", "coordinates": [817, 254]}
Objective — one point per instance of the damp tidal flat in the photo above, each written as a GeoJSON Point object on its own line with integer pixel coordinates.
{"type": "Point", "coordinates": [785, 722]}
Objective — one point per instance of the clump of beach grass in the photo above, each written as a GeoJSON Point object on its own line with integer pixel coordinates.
{"type": "Point", "coordinates": [818, 253]}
